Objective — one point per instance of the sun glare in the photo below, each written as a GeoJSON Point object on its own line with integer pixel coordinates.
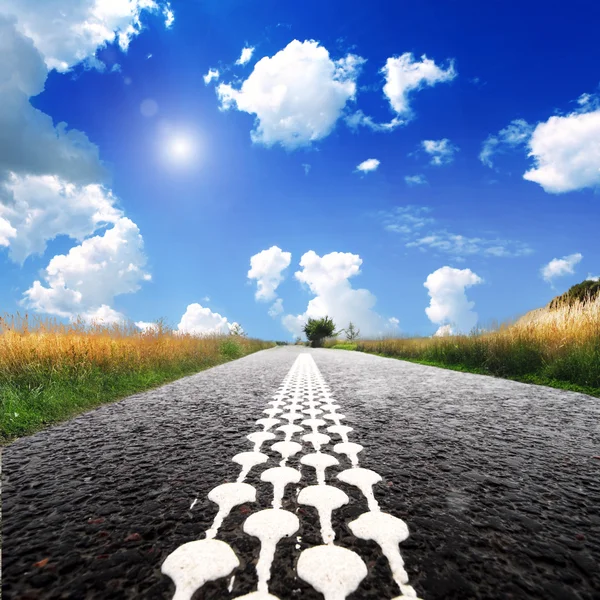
{"type": "Point", "coordinates": [180, 148]}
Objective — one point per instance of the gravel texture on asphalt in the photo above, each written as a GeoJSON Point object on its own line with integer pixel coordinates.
{"type": "Point", "coordinates": [498, 482]}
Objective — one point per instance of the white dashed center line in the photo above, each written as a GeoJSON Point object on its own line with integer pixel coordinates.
{"type": "Point", "coordinates": [301, 410]}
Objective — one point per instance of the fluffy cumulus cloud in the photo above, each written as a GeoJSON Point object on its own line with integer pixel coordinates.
{"type": "Point", "coordinates": [51, 177]}
{"type": "Point", "coordinates": [198, 320]}
{"type": "Point", "coordinates": [565, 149]}
{"type": "Point", "coordinates": [91, 274]}
{"type": "Point", "coordinates": [276, 308]}
{"type": "Point", "coordinates": [104, 315]}
{"type": "Point", "coordinates": [515, 134]}
{"type": "Point", "coordinates": [327, 278]}
{"type": "Point", "coordinates": [441, 151]}
{"type": "Point", "coordinates": [559, 267]}
{"type": "Point", "coordinates": [366, 166]}
{"type": "Point", "coordinates": [449, 306]}
{"type": "Point", "coordinates": [68, 35]}
{"type": "Point", "coordinates": [443, 331]}
{"type": "Point", "coordinates": [7, 231]}
{"type": "Point", "coordinates": [245, 56]}
{"type": "Point", "coordinates": [566, 153]}
{"type": "Point", "coordinates": [45, 206]}
{"type": "Point", "coordinates": [297, 95]}
{"type": "Point", "coordinates": [146, 326]}
{"type": "Point", "coordinates": [212, 74]}
{"type": "Point", "coordinates": [169, 15]}
{"type": "Point", "coordinates": [405, 75]}
{"type": "Point", "coordinates": [30, 143]}
{"type": "Point", "coordinates": [267, 268]}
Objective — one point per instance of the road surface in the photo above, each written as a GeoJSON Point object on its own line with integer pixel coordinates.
{"type": "Point", "coordinates": [386, 480]}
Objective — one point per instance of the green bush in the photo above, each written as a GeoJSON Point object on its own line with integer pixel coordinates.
{"type": "Point", "coordinates": [231, 349]}
{"type": "Point", "coordinates": [318, 329]}
{"type": "Point", "coordinates": [586, 291]}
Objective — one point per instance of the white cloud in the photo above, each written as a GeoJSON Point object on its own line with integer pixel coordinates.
{"type": "Point", "coordinates": [515, 134]}
{"type": "Point", "coordinates": [267, 268]}
{"type": "Point", "coordinates": [404, 75]}
{"type": "Point", "coordinates": [406, 220]}
{"type": "Point", "coordinates": [297, 95]}
{"type": "Point", "coordinates": [146, 326]}
{"type": "Point", "coordinates": [306, 168]}
{"type": "Point", "coordinates": [246, 55]}
{"type": "Point", "coordinates": [460, 245]}
{"type": "Point", "coordinates": [443, 331]}
{"type": "Point", "coordinates": [413, 180]}
{"type": "Point", "coordinates": [91, 274]}
{"type": "Point", "coordinates": [51, 176]}
{"type": "Point", "coordinates": [236, 328]}
{"type": "Point", "coordinates": [30, 143]}
{"type": "Point", "coordinates": [449, 304]}
{"type": "Point", "coordinates": [104, 315]}
{"type": "Point", "coordinates": [366, 166]}
{"type": "Point", "coordinates": [69, 34]}
{"type": "Point", "coordinates": [565, 149]}
{"type": "Point", "coordinates": [212, 74]}
{"type": "Point", "coordinates": [169, 15]}
{"type": "Point", "coordinates": [566, 152]}
{"type": "Point", "coordinates": [198, 320]}
{"type": "Point", "coordinates": [43, 207]}
{"type": "Point", "coordinates": [558, 267]}
{"type": "Point", "coordinates": [7, 231]}
{"type": "Point", "coordinates": [441, 151]}
{"type": "Point", "coordinates": [410, 221]}
{"type": "Point", "coordinates": [591, 277]}
{"type": "Point", "coordinates": [588, 102]}
{"type": "Point", "coordinates": [327, 278]}
{"type": "Point", "coordinates": [276, 308]}
{"type": "Point", "coordinates": [394, 322]}
{"type": "Point", "coordinates": [359, 119]}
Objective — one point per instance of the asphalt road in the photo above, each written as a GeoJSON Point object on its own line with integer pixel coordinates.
{"type": "Point", "coordinates": [498, 483]}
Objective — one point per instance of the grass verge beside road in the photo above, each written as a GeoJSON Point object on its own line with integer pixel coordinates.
{"type": "Point", "coordinates": [559, 348]}
{"type": "Point", "coordinates": [51, 372]}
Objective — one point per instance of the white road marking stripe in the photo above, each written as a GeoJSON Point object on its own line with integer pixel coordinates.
{"type": "Point", "coordinates": [303, 402]}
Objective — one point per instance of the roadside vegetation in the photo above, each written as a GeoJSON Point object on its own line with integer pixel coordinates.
{"type": "Point", "coordinates": [558, 345]}
{"type": "Point", "coordinates": [50, 371]}
{"type": "Point", "coordinates": [317, 330]}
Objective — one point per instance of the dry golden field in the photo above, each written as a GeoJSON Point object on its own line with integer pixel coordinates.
{"type": "Point", "coordinates": [50, 371]}
{"type": "Point", "coordinates": [559, 347]}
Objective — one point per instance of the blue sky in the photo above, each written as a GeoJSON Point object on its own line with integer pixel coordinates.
{"type": "Point", "coordinates": [412, 167]}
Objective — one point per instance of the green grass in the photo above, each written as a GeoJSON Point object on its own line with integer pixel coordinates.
{"type": "Point", "coordinates": [546, 376]}
{"type": "Point", "coordinates": [37, 399]}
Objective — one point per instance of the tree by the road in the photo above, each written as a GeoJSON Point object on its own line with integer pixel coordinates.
{"type": "Point", "coordinates": [352, 332]}
{"type": "Point", "coordinates": [318, 329]}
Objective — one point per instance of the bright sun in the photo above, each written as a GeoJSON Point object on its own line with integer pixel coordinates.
{"type": "Point", "coordinates": [180, 148]}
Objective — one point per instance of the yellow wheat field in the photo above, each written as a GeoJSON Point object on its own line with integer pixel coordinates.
{"type": "Point", "coordinates": [561, 344]}
{"type": "Point", "coordinates": [35, 346]}
{"type": "Point", "coordinates": [578, 324]}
